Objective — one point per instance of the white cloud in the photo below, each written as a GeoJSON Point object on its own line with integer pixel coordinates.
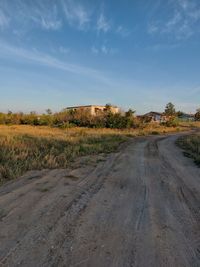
{"type": "Point", "coordinates": [122, 31]}
{"type": "Point", "coordinates": [76, 14]}
{"type": "Point", "coordinates": [95, 50]}
{"type": "Point", "coordinates": [184, 4]}
{"type": "Point", "coordinates": [183, 23]}
{"type": "Point", "coordinates": [176, 19]}
{"type": "Point", "coordinates": [51, 15]}
{"type": "Point", "coordinates": [104, 49]}
{"type": "Point", "coordinates": [161, 47]}
{"type": "Point", "coordinates": [64, 50]}
{"type": "Point", "coordinates": [152, 28]}
{"type": "Point", "coordinates": [4, 20]}
{"type": "Point", "coordinates": [46, 18]}
{"type": "Point", "coordinates": [28, 14]}
{"type": "Point", "coordinates": [103, 24]}
{"type": "Point", "coordinates": [50, 25]}
{"type": "Point", "coordinates": [34, 56]}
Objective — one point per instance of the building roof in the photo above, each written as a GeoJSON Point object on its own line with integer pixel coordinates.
{"type": "Point", "coordinates": [152, 113]}
{"type": "Point", "coordinates": [88, 106]}
{"type": "Point", "coordinates": [186, 116]}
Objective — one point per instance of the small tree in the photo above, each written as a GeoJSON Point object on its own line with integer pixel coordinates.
{"type": "Point", "coordinates": [130, 113]}
{"type": "Point", "coordinates": [197, 115]}
{"type": "Point", "coordinates": [179, 113]}
{"type": "Point", "coordinates": [49, 111]}
{"type": "Point", "coordinates": [170, 109]}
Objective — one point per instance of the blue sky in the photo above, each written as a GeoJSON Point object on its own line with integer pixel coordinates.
{"type": "Point", "coordinates": [139, 54]}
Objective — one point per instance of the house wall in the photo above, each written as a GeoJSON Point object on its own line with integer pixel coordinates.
{"type": "Point", "coordinates": [115, 110]}
{"type": "Point", "coordinates": [93, 110]}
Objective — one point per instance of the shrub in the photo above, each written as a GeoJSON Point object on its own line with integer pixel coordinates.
{"type": "Point", "coordinates": [172, 122]}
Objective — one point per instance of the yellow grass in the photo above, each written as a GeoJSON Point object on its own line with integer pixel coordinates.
{"type": "Point", "coordinates": [25, 148]}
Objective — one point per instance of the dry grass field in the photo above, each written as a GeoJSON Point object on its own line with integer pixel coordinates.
{"type": "Point", "coordinates": [191, 146]}
{"type": "Point", "coordinates": [81, 215]}
{"type": "Point", "coordinates": [25, 148]}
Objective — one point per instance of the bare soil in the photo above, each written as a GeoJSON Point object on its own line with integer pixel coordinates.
{"type": "Point", "coordinates": [137, 207]}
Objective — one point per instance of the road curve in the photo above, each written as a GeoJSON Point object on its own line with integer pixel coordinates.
{"type": "Point", "coordinates": [138, 207]}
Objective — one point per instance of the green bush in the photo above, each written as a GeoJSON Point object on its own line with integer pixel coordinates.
{"type": "Point", "coordinates": [172, 122]}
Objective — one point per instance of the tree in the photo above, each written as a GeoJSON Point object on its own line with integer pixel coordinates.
{"type": "Point", "coordinates": [197, 115]}
{"type": "Point", "coordinates": [179, 114]}
{"type": "Point", "coordinates": [130, 113]}
{"type": "Point", "coordinates": [48, 111]}
{"type": "Point", "coordinates": [170, 109]}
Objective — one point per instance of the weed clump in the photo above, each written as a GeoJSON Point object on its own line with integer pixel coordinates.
{"type": "Point", "coordinates": [191, 146]}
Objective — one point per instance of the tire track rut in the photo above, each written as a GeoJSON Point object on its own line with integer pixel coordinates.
{"type": "Point", "coordinates": [140, 207]}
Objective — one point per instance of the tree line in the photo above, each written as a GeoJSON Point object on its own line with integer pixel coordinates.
{"type": "Point", "coordinates": [73, 118]}
{"type": "Point", "coordinates": [83, 118]}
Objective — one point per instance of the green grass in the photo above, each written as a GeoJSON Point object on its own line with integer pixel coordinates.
{"type": "Point", "coordinates": [191, 146]}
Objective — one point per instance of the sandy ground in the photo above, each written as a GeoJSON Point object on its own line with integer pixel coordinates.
{"type": "Point", "coordinates": [137, 207]}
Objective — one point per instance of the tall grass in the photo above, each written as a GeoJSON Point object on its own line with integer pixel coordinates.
{"type": "Point", "coordinates": [191, 146]}
{"type": "Point", "coordinates": [24, 147]}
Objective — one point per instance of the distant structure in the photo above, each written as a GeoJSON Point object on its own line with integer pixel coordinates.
{"type": "Point", "coordinates": [186, 117]}
{"type": "Point", "coordinates": [95, 110]}
{"type": "Point", "coordinates": [156, 117]}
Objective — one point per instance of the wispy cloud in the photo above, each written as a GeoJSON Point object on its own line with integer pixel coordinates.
{"type": "Point", "coordinates": [123, 31]}
{"type": "Point", "coordinates": [34, 56]}
{"type": "Point", "coordinates": [4, 20]}
{"type": "Point", "coordinates": [95, 50]}
{"type": "Point", "coordinates": [50, 22]}
{"type": "Point", "coordinates": [45, 16]}
{"type": "Point", "coordinates": [50, 25]}
{"type": "Point", "coordinates": [103, 24]}
{"type": "Point", "coordinates": [108, 50]}
{"type": "Point", "coordinates": [76, 14]}
{"type": "Point", "coordinates": [29, 14]}
{"type": "Point", "coordinates": [64, 50]}
{"type": "Point", "coordinates": [153, 28]}
{"type": "Point", "coordinates": [50, 15]}
{"type": "Point", "coordinates": [183, 23]}
{"type": "Point", "coordinates": [173, 22]}
{"type": "Point", "coordinates": [163, 47]}
{"type": "Point", "coordinates": [103, 49]}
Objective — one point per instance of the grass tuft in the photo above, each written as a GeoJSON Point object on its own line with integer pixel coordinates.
{"type": "Point", "coordinates": [191, 146]}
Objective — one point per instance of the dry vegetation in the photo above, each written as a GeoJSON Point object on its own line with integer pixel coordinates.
{"type": "Point", "coordinates": [25, 148]}
{"type": "Point", "coordinates": [191, 146]}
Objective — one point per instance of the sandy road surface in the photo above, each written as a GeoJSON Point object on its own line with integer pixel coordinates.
{"type": "Point", "coordinates": [138, 207]}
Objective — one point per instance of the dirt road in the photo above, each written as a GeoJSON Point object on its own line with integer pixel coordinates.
{"type": "Point", "coordinates": [138, 207]}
